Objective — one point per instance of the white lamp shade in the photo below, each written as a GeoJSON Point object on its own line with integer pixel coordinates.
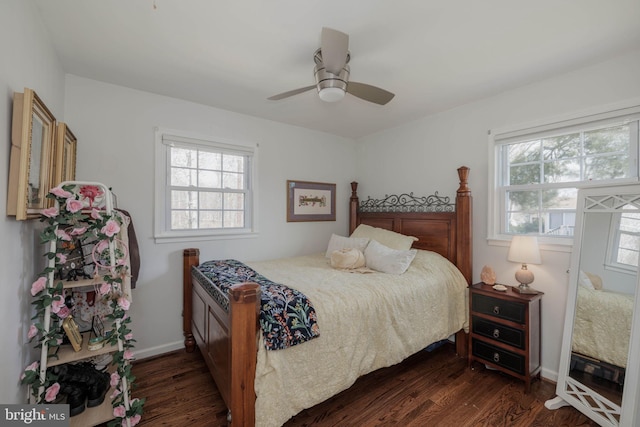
{"type": "Point", "coordinates": [524, 249]}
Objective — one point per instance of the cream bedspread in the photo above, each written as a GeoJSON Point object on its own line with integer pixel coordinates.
{"type": "Point", "coordinates": [602, 326]}
{"type": "Point", "coordinates": [367, 321]}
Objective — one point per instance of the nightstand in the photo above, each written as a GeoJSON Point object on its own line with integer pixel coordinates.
{"type": "Point", "coordinates": [505, 331]}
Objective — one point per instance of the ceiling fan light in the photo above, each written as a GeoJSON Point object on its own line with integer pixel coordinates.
{"type": "Point", "coordinates": [331, 94]}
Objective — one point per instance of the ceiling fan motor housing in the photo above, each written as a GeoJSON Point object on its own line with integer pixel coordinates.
{"type": "Point", "coordinates": [331, 87]}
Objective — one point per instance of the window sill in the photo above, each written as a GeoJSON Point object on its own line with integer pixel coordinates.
{"type": "Point", "coordinates": [545, 244]}
{"type": "Point", "coordinates": [175, 238]}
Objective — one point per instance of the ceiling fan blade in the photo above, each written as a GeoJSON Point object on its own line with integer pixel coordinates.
{"type": "Point", "coordinates": [290, 93]}
{"type": "Point", "coordinates": [369, 93]}
{"type": "Point", "coordinates": [334, 46]}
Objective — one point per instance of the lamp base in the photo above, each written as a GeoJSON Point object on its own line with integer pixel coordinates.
{"type": "Point", "coordinates": [525, 289]}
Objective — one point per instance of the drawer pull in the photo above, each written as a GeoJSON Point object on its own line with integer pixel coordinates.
{"type": "Point", "coordinates": [496, 357]}
{"type": "Point", "coordinates": [496, 309]}
{"type": "Point", "coordinates": [496, 333]}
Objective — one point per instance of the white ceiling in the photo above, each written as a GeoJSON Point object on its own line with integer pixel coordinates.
{"type": "Point", "coordinates": [433, 54]}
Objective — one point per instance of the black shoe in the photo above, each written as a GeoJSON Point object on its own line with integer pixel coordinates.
{"type": "Point", "coordinates": [76, 397]}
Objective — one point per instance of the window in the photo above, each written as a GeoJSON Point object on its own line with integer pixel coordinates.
{"type": "Point", "coordinates": [538, 171]}
{"type": "Point", "coordinates": [624, 249]}
{"type": "Point", "coordinates": [203, 187]}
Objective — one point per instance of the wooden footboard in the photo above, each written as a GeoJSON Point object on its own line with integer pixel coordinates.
{"type": "Point", "coordinates": [227, 339]}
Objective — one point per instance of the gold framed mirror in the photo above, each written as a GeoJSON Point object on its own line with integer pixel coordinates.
{"type": "Point", "coordinates": [64, 165]}
{"type": "Point", "coordinates": [31, 162]}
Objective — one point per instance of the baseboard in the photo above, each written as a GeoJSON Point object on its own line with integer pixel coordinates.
{"type": "Point", "coordinates": [550, 375]}
{"type": "Point", "coordinates": [161, 349]}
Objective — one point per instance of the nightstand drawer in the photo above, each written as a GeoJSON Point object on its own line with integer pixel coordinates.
{"type": "Point", "coordinates": [507, 310]}
{"type": "Point", "coordinates": [506, 359]}
{"type": "Point", "coordinates": [498, 332]}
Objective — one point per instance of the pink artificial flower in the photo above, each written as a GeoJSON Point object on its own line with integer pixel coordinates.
{"type": "Point", "coordinates": [38, 286]}
{"type": "Point", "coordinates": [62, 258]}
{"type": "Point", "coordinates": [33, 331]}
{"type": "Point", "coordinates": [78, 231]}
{"type": "Point", "coordinates": [116, 392]}
{"type": "Point", "coordinates": [50, 212]}
{"type": "Point", "coordinates": [115, 379]}
{"type": "Point", "coordinates": [95, 213]}
{"type": "Point", "coordinates": [52, 392]}
{"type": "Point", "coordinates": [105, 288]}
{"type": "Point", "coordinates": [128, 355]}
{"type": "Point", "coordinates": [124, 303]}
{"type": "Point", "coordinates": [110, 228]}
{"type": "Point", "coordinates": [63, 235]}
{"type": "Point", "coordinates": [90, 192]}
{"type": "Point", "coordinates": [129, 336]}
{"type": "Point", "coordinates": [57, 304]}
{"type": "Point", "coordinates": [119, 411]}
{"type": "Point", "coordinates": [101, 246]}
{"type": "Point", "coordinates": [33, 367]}
{"type": "Point", "coordinates": [132, 421]}
{"type": "Point", "coordinates": [60, 192]}
{"type": "Point", "coordinates": [74, 205]}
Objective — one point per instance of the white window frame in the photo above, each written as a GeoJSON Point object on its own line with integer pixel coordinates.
{"type": "Point", "coordinates": [613, 245]}
{"type": "Point", "coordinates": [162, 230]}
{"type": "Point", "coordinates": [498, 137]}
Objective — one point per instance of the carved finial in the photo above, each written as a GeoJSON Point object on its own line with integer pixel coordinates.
{"type": "Point", "coordinates": [463, 174]}
{"type": "Point", "coordinates": [354, 189]}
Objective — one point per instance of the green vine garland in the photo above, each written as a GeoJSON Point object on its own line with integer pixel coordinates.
{"type": "Point", "coordinates": [70, 219]}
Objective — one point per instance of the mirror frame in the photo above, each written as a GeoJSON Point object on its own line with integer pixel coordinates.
{"type": "Point", "coordinates": [568, 390]}
{"type": "Point", "coordinates": [26, 106]}
{"type": "Point", "coordinates": [64, 165]}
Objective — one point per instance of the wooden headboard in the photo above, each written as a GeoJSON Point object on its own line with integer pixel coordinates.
{"type": "Point", "coordinates": [439, 225]}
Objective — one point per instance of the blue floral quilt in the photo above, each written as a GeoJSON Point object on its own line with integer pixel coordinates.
{"type": "Point", "coordinates": [287, 317]}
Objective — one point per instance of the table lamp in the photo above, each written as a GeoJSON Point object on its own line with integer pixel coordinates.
{"type": "Point", "coordinates": [524, 249]}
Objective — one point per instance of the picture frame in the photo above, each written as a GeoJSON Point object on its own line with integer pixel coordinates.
{"type": "Point", "coordinates": [73, 333]}
{"type": "Point", "coordinates": [31, 158]}
{"type": "Point", "coordinates": [310, 201]}
{"type": "Point", "coordinates": [64, 165]}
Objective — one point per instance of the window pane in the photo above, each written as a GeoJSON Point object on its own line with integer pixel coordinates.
{"type": "Point", "coordinates": [233, 181]}
{"type": "Point", "coordinates": [522, 223]}
{"type": "Point", "coordinates": [628, 257]}
{"type": "Point", "coordinates": [210, 219]}
{"type": "Point", "coordinates": [560, 198]}
{"type": "Point", "coordinates": [183, 177]}
{"type": "Point", "coordinates": [234, 201]}
{"type": "Point", "coordinates": [524, 174]}
{"type": "Point", "coordinates": [561, 147]}
{"type": "Point", "coordinates": [233, 163]}
{"type": "Point", "coordinates": [607, 167]}
{"type": "Point", "coordinates": [562, 171]}
{"type": "Point", "coordinates": [210, 179]}
{"type": "Point", "coordinates": [523, 152]}
{"type": "Point", "coordinates": [233, 219]}
{"type": "Point", "coordinates": [630, 222]}
{"type": "Point", "coordinates": [184, 220]}
{"type": "Point", "coordinates": [208, 160]}
{"type": "Point", "coordinates": [183, 157]}
{"type": "Point", "coordinates": [184, 200]}
{"type": "Point", "coordinates": [608, 140]}
{"type": "Point", "coordinates": [523, 200]}
{"type": "Point", "coordinates": [209, 200]}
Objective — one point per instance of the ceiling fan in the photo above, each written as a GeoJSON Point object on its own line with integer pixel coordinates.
{"type": "Point", "coordinates": [332, 73]}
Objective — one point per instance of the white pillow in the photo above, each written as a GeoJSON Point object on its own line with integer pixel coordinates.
{"type": "Point", "coordinates": [583, 280]}
{"type": "Point", "coordinates": [389, 238]}
{"type": "Point", "coordinates": [337, 243]}
{"type": "Point", "coordinates": [387, 260]}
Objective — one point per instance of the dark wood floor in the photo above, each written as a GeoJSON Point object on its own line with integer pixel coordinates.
{"type": "Point", "coordinates": [428, 389]}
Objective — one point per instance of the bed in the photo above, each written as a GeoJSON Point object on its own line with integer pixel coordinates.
{"type": "Point", "coordinates": [257, 385]}
{"type": "Point", "coordinates": [602, 331]}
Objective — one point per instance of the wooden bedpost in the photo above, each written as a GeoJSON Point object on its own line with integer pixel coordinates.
{"type": "Point", "coordinates": [191, 257]}
{"type": "Point", "coordinates": [464, 245]}
{"type": "Point", "coordinates": [244, 313]}
{"type": "Point", "coordinates": [353, 207]}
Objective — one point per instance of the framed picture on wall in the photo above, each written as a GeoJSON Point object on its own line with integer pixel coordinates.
{"type": "Point", "coordinates": [310, 201]}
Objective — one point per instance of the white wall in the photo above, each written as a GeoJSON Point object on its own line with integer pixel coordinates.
{"type": "Point", "coordinates": [27, 61]}
{"type": "Point", "coordinates": [422, 157]}
{"type": "Point", "coordinates": [115, 130]}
